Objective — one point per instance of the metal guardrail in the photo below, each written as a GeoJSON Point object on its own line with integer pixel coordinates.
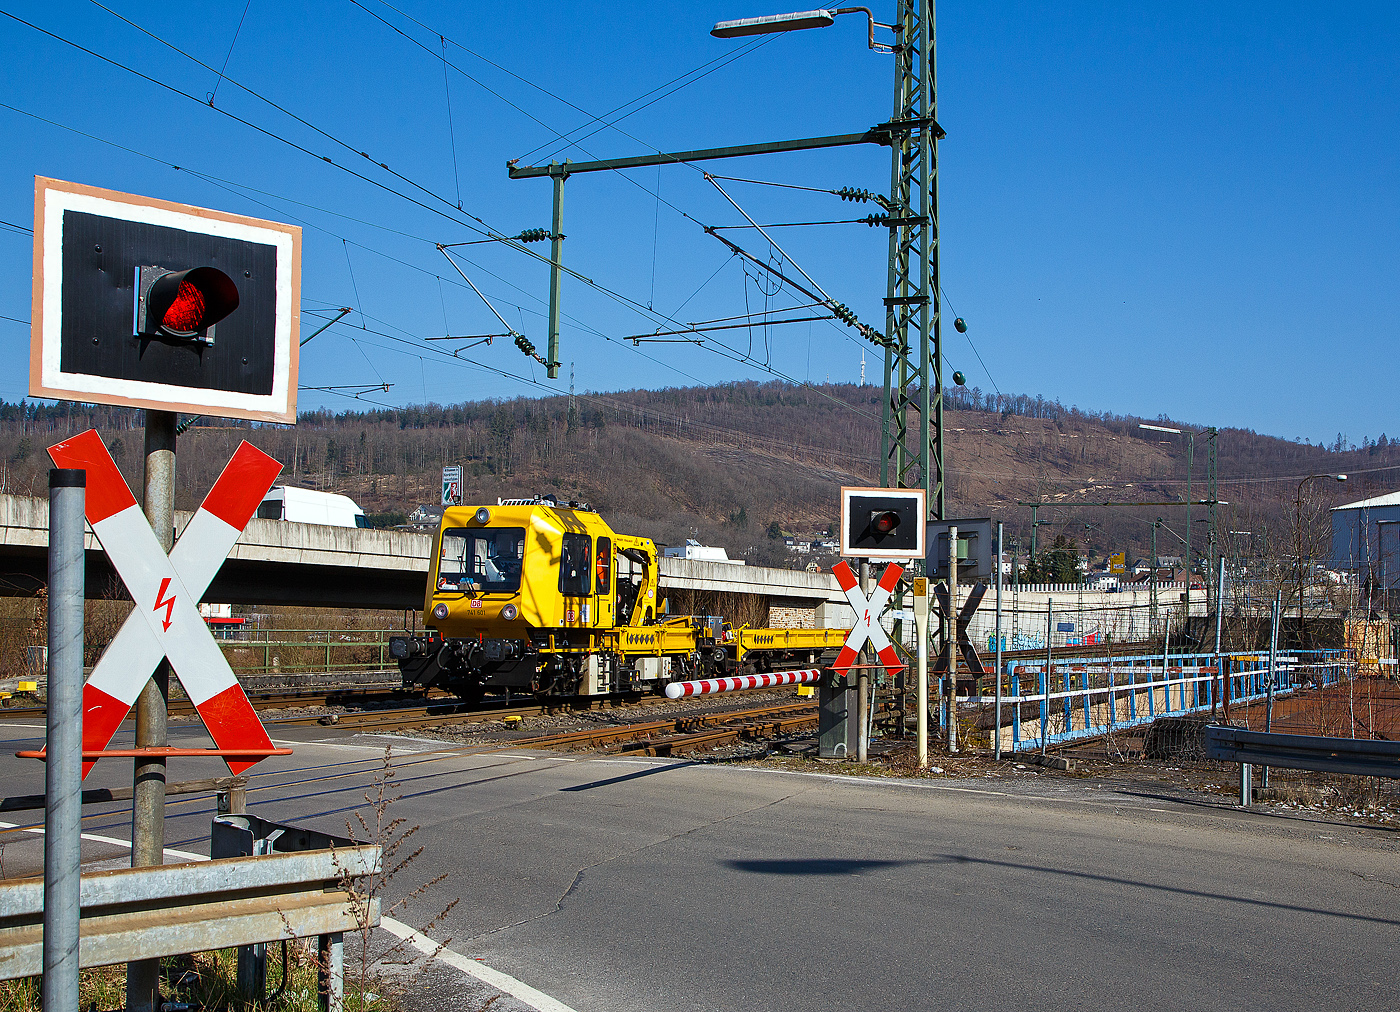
{"type": "Point", "coordinates": [145, 913]}
{"type": "Point", "coordinates": [1343, 756]}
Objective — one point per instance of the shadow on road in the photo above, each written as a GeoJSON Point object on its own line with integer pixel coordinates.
{"type": "Point", "coordinates": [649, 771]}
{"type": "Point", "coordinates": [838, 866]}
{"type": "Point", "coordinates": [819, 865]}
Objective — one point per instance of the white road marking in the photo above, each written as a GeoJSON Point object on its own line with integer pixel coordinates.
{"type": "Point", "coordinates": [640, 762]}
{"type": "Point", "coordinates": [532, 758]}
{"type": "Point", "coordinates": [39, 831]}
{"type": "Point", "coordinates": [40, 727]}
{"type": "Point", "coordinates": [329, 744]}
{"type": "Point", "coordinates": [475, 968]}
{"type": "Point", "coordinates": [437, 743]}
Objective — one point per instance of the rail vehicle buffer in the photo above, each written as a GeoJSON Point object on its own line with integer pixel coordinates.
{"type": "Point", "coordinates": [165, 621]}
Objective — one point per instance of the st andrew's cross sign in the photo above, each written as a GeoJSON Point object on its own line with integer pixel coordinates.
{"type": "Point", "coordinates": [165, 621]}
{"type": "Point", "coordinates": [867, 611]}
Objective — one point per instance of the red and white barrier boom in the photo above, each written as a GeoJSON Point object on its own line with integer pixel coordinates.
{"type": "Point", "coordinates": [166, 588]}
{"type": "Point", "coordinates": [707, 686]}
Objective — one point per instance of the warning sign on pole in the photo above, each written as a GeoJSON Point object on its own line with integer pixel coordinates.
{"type": "Point", "coordinates": [452, 485]}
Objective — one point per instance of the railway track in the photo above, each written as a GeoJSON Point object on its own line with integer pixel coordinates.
{"type": "Point", "coordinates": [658, 737]}
{"type": "Point", "coordinates": [372, 701]}
{"type": "Point", "coordinates": [682, 734]}
{"type": "Point", "coordinates": [662, 737]}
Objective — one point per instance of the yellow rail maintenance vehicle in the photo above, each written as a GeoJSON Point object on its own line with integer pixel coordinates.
{"type": "Point", "coordinates": [542, 596]}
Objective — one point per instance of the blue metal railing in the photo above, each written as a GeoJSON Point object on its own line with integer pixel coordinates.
{"type": "Point", "coordinates": [1095, 696]}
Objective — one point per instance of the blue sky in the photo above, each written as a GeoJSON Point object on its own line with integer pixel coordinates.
{"type": "Point", "coordinates": [1187, 209]}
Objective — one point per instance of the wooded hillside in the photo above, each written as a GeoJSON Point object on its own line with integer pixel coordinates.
{"type": "Point", "coordinates": [723, 463]}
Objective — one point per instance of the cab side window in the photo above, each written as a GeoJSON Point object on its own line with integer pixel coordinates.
{"type": "Point", "coordinates": [575, 560]}
{"type": "Point", "coordinates": [604, 567]}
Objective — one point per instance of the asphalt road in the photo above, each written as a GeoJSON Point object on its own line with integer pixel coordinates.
{"type": "Point", "coordinates": [649, 884]}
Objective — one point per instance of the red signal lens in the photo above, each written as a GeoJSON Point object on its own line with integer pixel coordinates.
{"type": "Point", "coordinates": [884, 523]}
{"type": "Point", "coordinates": [187, 311]}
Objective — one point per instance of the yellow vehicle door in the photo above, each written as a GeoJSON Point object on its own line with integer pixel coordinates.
{"type": "Point", "coordinates": [576, 581]}
{"type": "Point", "coordinates": [603, 573]}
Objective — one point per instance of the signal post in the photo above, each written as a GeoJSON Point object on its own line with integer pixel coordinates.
{"type": "Point", "coordinates": [877, 525]}
{"type": "Point", "coordinates": [151, 304]}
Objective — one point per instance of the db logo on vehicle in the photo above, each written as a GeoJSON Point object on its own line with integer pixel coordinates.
{"type": "Point", "coordinates": [474, 603]}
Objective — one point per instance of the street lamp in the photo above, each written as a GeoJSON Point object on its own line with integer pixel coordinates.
{"type": "Point", "coordinates": [1298, 548]}
{"type": "Point", "coordinates": [770, 24]}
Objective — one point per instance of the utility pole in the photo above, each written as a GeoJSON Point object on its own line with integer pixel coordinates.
{"type": "Point", "coordinates": [1035, 525]}
{"type": "Point", "coordinates": [950, 645]}
{"type": "Point", "coordinates": [1152, 610]}
{"type": "Point", "coordinates": [1212, 532]}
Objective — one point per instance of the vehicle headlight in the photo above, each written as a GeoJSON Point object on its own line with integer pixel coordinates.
{"type": "Point", "coordinates": [440, 611]}
{"type": "Point", "coordinates": [509, 612]}
{"type": "Point", "coordinates": [483, 515]}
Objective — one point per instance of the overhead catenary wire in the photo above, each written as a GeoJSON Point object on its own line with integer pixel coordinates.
{"type": "Point", "coordinates": [711, 179]}
{"type": "Point", "coordinates": [326, 134]}
{"type": "Point", "coordinates": [229, 55]}
{"type": "Point", "coordinates": [842, 312]}
{"type": "Point", "coordinates": [970, 344]}
{"type": "Point", "coordinates": [767, 182]}
{"type": "Point", "coordinates": [475, 223]}
{"type": "Point", "coordinates": [728, 326]}
{"type": "Point", "coordinates": [594, 398]}
{"type": "Point", "coordinates": [484, 228]}
{"type": "Point", "coordinates": [635, 304]}
{"type": "Point", "coordinates": [800, 224]}
{"type": "Point", "coordinates": [723, 60]}
{"type": "Point", "coordinates": [451, 131]}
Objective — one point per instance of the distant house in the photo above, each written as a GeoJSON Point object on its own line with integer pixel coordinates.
{"type": "Point", "coordinates": [1366, 538]}
{"type": "Point", "coordinates": [425, 518]}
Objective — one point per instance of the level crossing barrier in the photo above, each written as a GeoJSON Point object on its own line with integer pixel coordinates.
{"type": "Point", "coordinates": [709, 686]}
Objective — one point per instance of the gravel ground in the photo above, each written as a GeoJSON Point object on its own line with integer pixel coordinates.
{"type": "Point", "coordinates": [494, 732]}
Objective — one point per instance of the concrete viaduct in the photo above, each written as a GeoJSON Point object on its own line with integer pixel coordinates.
{"type": "Point", "coordinates": [276, 562]}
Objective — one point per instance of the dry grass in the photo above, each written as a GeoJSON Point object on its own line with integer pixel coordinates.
{"type": "Point", "coordinates": [207, 980]}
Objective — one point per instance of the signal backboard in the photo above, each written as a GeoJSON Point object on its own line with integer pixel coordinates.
{"type": "Point", "coordinates": [99, 256]}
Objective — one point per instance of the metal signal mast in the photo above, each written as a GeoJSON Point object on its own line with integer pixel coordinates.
{"type": "Point", "coordinates": [912, 447]}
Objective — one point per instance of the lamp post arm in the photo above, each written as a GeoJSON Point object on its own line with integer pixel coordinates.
{"type": "Point", "coordinates": [878, 47]}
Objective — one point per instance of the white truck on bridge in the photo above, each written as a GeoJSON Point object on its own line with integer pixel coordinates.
{"type": "Point", "coordinates": [307, 506]}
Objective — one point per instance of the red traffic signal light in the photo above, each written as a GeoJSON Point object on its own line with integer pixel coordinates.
{"type": "Point", "coordinates": [183, 305]}
{"type": "Point", "coordinates": [883, 522]}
